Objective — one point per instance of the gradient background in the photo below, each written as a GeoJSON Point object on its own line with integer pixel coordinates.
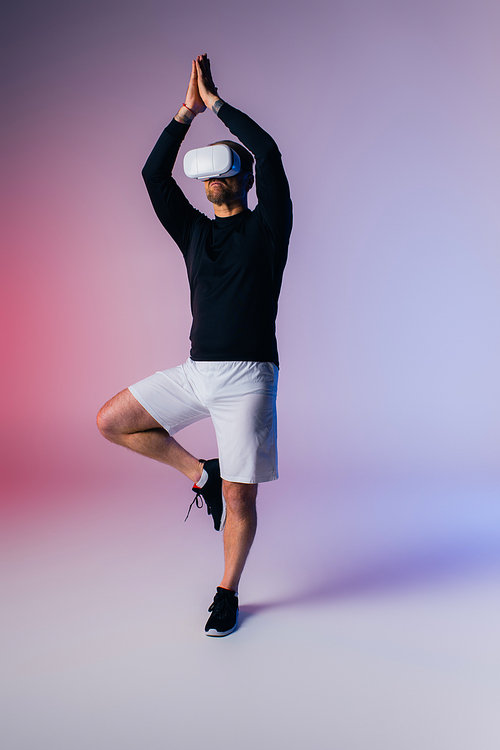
{"type": "Point", "coordinates": [370, 602]}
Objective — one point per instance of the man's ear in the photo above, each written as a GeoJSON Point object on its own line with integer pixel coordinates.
{"type": "Point", "coordinates": [249, 182]}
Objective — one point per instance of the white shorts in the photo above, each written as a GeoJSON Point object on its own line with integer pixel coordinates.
{"type": "Point", "coordinates": [240, 397]}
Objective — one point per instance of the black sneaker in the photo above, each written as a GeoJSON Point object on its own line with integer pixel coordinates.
{"type": "Point", "coordinates": [224, 609]}
{"type": "Point", "coordinates": [211, 493]}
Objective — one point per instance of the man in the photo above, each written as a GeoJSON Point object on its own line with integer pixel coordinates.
{"type": "Point", "coordinates": [235, 265]}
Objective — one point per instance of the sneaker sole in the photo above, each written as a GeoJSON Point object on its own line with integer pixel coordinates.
{"type": "Point", "coordinates": [216, 633]}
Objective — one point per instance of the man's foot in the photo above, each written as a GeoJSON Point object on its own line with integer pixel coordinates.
{"type": "Point", "coordinates": [211, 493]}
{"type": "Point", "coordinates": [224, 609]}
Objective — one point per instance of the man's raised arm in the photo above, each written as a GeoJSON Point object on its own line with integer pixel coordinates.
{"type": "Point", "coordinates": [169, 202]}
{"type": "Point", "coordinates": [272, 187]}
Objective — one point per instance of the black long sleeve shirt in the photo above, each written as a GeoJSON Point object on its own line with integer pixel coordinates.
{"type": "Point", "coordinates": [234, 264]}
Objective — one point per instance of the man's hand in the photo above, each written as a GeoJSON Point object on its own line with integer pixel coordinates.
{"type": "Point", "coordinates": [193, 99]}
{"type": "Point", "coordinates": [206, 86]}
{"type": "Point", "coordinates": [201, 92]}
{"type": "Point", "coordinates": [194, 104]}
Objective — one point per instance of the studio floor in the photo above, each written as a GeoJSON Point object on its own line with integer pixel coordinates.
{"type": "Point", "coordinates": [369, 621]}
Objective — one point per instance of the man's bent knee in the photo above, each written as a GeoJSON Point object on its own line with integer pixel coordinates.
{"type": "Point", "coordinates": [123, 415]}
{"type": "Point", "coordinates": [107, 422]}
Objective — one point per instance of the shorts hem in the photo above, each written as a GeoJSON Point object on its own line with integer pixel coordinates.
{"type": "Point", "coordinates": [257, 480]}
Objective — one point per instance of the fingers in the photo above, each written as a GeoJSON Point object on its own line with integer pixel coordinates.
{"type": "Point", "coordinates": [205, 73]}
{"type": "Point", "coordinates": [199, 72]}
{"type": "Point", "coordinates": [204, 63]}
{"type": "Point", "coordinates": [202, 73]}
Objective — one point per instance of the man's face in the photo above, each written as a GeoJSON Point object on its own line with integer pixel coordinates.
{"type": "Point", "coordinates": [228, 190]}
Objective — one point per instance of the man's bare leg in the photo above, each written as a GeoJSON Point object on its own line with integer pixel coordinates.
{"type": "Point", "coordinates": [123, 421]}
{"type": "Point", "coordinates": [239, 531]}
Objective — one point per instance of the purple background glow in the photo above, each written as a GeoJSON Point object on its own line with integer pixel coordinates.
{"type": "Point", "coordinates": [387, 115]}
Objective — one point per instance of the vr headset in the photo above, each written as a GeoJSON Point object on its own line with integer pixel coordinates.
{"type": "Point", "coordinates": [211, 161]}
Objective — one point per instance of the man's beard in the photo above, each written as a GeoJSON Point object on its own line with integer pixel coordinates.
{"type": "Point", "coordinates": [222, 194]}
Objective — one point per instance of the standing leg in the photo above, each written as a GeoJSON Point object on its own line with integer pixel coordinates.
{"type": "Point", "coordinates": [239, 531]}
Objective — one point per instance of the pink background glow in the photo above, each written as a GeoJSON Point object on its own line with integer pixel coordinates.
{"type": "Point", "coordinates": [387, 115]}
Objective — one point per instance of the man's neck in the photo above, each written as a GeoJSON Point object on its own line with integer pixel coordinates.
{"type": "Point", "coordinates": [225, 210]}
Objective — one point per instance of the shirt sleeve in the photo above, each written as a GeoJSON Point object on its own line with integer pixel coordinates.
{"type": "Point", "coordinates": [273, 192]}
{"type": "Point", "coordinates": [169, 202]}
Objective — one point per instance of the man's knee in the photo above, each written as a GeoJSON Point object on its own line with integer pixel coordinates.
{"type": "Point", "coordinates": [107, 422]}
{"type": "Point", "coordinates": [240, 498]}
{"type": "Point", "coordinates": [112, 418]}
{"type": "Point", "coordinates": [124, 415]}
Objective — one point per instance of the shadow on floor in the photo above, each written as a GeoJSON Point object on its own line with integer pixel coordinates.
{"type": "Point", "coordinates": [413, 569]}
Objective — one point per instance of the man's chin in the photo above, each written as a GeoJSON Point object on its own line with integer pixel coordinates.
{"type": "Point", "coordinates": [217, 200]}
{"type": "Point", "coordinates": [217, 197]}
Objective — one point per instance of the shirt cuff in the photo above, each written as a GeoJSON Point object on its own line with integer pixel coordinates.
{"type": "Point", "coordinates": [177, 129]}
